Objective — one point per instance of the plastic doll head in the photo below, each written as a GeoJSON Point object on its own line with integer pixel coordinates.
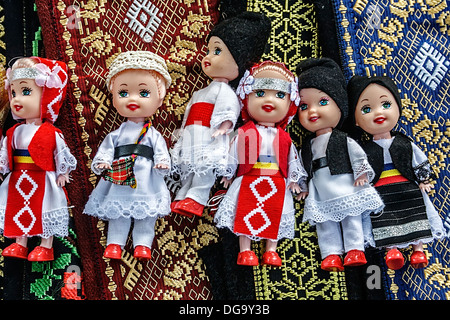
{"type": "Point", "coordinates": [268, 93]}
{"type": "Point", "coordinates": [36, 88]}
{"type": "Point", "coordinates": [375, 103]}
{"type": "Point", "coordinates": [245, 36]}
{"type": "Point", "coordinates": [218, 63]}
{"type": "Point", "coordinates": [4, 101]}
{"type": "Point", "coordinates": [323, 94]}
{"type": "Point", "coordinates": [138, 81]}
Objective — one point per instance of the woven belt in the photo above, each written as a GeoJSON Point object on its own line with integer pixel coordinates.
{"type": "Point", "coordinates": [319, 164]}
{"type": "Point", "coordinates": [200, 114]}
{"type": "Point", "coordinates": [137, 149]}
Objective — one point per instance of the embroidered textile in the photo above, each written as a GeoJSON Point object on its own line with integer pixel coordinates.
{"type": "Point", "coordinates": [408, 41]}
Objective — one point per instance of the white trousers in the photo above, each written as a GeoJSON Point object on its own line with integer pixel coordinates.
{"type": "Point", "coordinates": [142, 235]}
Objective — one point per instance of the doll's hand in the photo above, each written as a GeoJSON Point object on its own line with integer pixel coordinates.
{"type": "Point", "coordinates": [302, 195]}
{"type": "Point", "coordinates": [161, 166]}
{"type": "Point", "coordinates": [102, 166]}
{"type": "Point", "coordinates": [361, 180]}
{"type": "Point", "coordinates": [62, 179]}
{"type": "Point", "coordinates": [226, 182]}
{"type": "Point", "coordinates": [294, 187]}
{"type": "Point", "coordinates": [224, 127]}
{"type": "Point", "coordinates": [425, 187]}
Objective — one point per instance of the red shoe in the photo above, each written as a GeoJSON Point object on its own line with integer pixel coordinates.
{"type": "Point", "coordinates": [41, 254]}
{"type": "Point", "coordinates": [418, 260]}
{"type": "Point", "coordinates": [172, 206]}
{"type": "Point", "coordinates": [142, 252]}
{"type": "Point", "coordinates": [355, 258]}
{"type": "Point", "coordinates": [332, 263]}
{"type": "Point", "coordinates": [394, 259]}
{"type": "Point", "coordinates": [271, 258]}
{"type": "Point", "coordinates": [247, 258]}
{"type": "Point", "coordinates": [113, 251]}
{"type": "Point", "coordinates": [15, 250]}
{"type": "Point", "coordinates": [189, 207]}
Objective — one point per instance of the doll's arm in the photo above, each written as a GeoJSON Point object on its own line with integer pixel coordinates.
{"type": "Point", "coordinates": [4, 162]}
{"type": "Point", "coordinates": [362, 171]}
{"type": "Point", "coordinates": [296, 170]}
{"type": "Point", "coordinates": [422, 169]}
{"type": "Point", "coordinates": [226, 111]}
{"type": "Point", "coordinates": [161, 154]}
{"type": "Point", "coordinates": [64, 160]}
{"type": "Point", "coordinates": [105, 155]}
{"type": "Point", "coordinates": [232, 163]}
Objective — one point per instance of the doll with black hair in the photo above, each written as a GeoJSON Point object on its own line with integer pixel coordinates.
{"type": "Point", "coordinates": [339, 173]}
{"type": "Point", "coordinates": [403, 173]}
{"type": "Point", "coordinates": [200, 154]}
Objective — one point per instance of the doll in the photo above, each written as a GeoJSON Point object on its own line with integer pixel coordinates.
{"type": "Point", "coordinates": [133, 159]}
{"type": "Point", "coordinates": [200, 154]}
{"type": "Point", "coordinates": [32, 197]}
{"type": "Point", "coordinates": [402, 173]}
{"type": "Point", "coordinates": [259, 203]}
{"type": "Point", "coordinates": [339, 194]}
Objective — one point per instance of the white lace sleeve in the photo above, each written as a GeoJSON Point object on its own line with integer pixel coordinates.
{"type": "Point", "coordinates": [64, 160]}
{"type": "Point", "coordinates": [296, 171]}
{"type": "Point", "coordinates": [4, 162]}
{"type": "Point", "coordinates": [358, 159]}
{"type": "Point", "coordinates": [105, 154]}
{"type": "Point", "coordinates": [421, 165]}
{"type": "Point", "coordinates": [232, 162]}
{"type": "Point", "coordinates": [226, 107]}
{"type": "Point", "coordinates": [161, 154]}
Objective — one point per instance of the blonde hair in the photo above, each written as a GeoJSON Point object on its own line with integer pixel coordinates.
{"type": "Point", "coordinates": [274, 66]}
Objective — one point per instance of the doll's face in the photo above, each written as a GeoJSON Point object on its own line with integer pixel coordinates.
{"type": "Point", "coordinates": [317, 111]}
{"type": "Point", "coordinates": [26, 99]}
{"type": "Point", "coordinates": [219, 63]}
{"type": "Point", "coordinates": [137, 94]}
{"type": "Point", "coordinates": [376, 112]}
{"type": "Point", "coordinates": [268, 106]}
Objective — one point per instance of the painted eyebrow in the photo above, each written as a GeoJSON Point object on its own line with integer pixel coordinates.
{"type": "Point", "coordinates": [142, 84]}
{"type": "Point", "coordinates": [383, 96]}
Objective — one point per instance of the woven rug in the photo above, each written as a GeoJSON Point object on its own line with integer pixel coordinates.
{"type": "Point", "coordinates": [87, 35]}
{"type": "Point", "coordinates": [409, 41]}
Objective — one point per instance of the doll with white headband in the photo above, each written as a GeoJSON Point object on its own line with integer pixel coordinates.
{"type": "Point", "coordinates": [200, 154]}
{"type": "Point", "coordinates": [259, 204]}
{"type": "Point", "coordinates": [32, 197]}
{"type": "Point", "coordinates": [133, 159]}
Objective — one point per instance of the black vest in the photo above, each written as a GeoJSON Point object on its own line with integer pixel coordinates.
{"type": "Point", "coordinates": [337, 156]}
{"type": "Point", "coordinates": [401, 153]}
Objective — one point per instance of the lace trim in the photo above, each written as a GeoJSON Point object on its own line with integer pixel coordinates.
{"type": "Point", "coordinates": [224, 218]}
{"type": "Point", "coordinates": [100, 157]}
{"type": "Point", "coordinates": [124, 207]}
{"type": "Point", "coordinates": [361, 167]}
{"type": "Point", "coordinates": [424, 172]}
{"type": "Point", "coordinates": [220, 117]}
{"type": "Point", "coordinates": [363, 202]}
{"type": "Point", "coordinates": [66, 162]}
{"type": "Point", "coordinates": [54, 222]}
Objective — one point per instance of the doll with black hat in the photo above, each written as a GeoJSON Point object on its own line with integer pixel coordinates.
{"type": "Point", "coordinates": [200, 154]}
{"type": "Point", "coordinates": [340, 196]}
{"type": "Point", "coordinates": [403, 173]}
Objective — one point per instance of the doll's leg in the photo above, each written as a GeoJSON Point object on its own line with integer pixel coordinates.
{"type": "Point", "coordinates": [185, 185]}
{"type": "Point", "coordinates": [271, 257]}
{"type": "Point", "coordinates": [118, 230]}
{"type": "Point", "coordinates": [43, 252]}
{"type": "Point", "coordinates": [23, 241]}
{"type": "Point", "coordinates": [331, 245]}
{"type": "Point", "coordinates": [201, 187]}
{"type": "Point", "coordinates": [418, 258]}
{"type": "Point", "coordinates": [246, 256]}
{"type": "Point", "coordinates": [143, 234]}
{"type": "Point", "coordinates": [352, 230]}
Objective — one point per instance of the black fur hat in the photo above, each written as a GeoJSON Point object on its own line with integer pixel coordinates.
{"type": "Point", "coordinates": [357, 84]}
{"type": "Point", "coordinates": [246, 36]}
{"type": "Point", "coordinates": [326, 75]}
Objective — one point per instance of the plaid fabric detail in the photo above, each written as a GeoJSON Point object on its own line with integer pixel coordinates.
{"type": "Point", "coordinates": [121, 173]}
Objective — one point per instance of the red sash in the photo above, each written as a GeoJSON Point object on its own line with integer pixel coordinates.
{"type": "Point", "coordinates": [260, 203]}
{"type": "Point", "coordinates": [26, 188]}
{"type": "Point", "coordinates": [200, 114]}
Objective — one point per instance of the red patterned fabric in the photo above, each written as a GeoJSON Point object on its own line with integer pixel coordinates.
{"type": "Point", "coordinates": [200, 113]}
{"type": "Point", "coordinates": [87, 35]}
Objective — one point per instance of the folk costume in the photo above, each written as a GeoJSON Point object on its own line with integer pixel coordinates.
{"type": "Point", "coordinates": [409, 217]}
{"type": "Point", "coordinates": [132, 190]}
{"type": "Point", "coordinates": [31, 202]}
{"type": "Point", "coordinates": [258, 204]}
{"type": "Point", "coordinates": [197, 157]}
{"type": "Point", "coordinates": [334, 161]}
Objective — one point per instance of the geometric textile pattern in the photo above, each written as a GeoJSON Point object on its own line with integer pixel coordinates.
{"type": "Point", "coordinates": [88, 35]}
{"type": "Point", "coordinates": [294, 38]}
{"type": "Point", "coordinates": [409, 41]}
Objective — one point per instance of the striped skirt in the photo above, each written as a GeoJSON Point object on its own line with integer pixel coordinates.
{"type": "Point", "coordinates": [404, 219]}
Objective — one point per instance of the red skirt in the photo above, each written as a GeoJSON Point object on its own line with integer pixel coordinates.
{"type": "Point", "coordinates": [260, 204]}
{"type": "Point", "coordinates": [23, 216]}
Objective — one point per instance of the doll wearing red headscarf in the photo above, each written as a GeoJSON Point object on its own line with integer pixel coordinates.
{"type": "Point", "coordinates": [259, 204]}
{"type": "Point", "coordinates": [32, 197]}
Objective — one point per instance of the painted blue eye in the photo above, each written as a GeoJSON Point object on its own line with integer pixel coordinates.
{"type": "Point", "coordinates": [366, 109]}
{"type": "Point", "coordinates": [123, 93]}
{"type": "Point", "coordinates": [386, 105]}
{"type": "Point", "coordinates": [26, 91]}
{"type": "Point", "coordinates": [144, 93]}
{"type": "Point", "coordinates": [260, 93]}
{"type": "Point", "coordinates": [303, 106]}
{"type": "Point", "coordinates": [323, 102]}
{"type": "Point", "coordinates": [281, 94]}
{"type": "Point", "coordinates": [217, 51]}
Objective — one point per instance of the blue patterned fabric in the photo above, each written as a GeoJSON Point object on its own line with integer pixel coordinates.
{"type": "Point", "coordinates": [410, 42]}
